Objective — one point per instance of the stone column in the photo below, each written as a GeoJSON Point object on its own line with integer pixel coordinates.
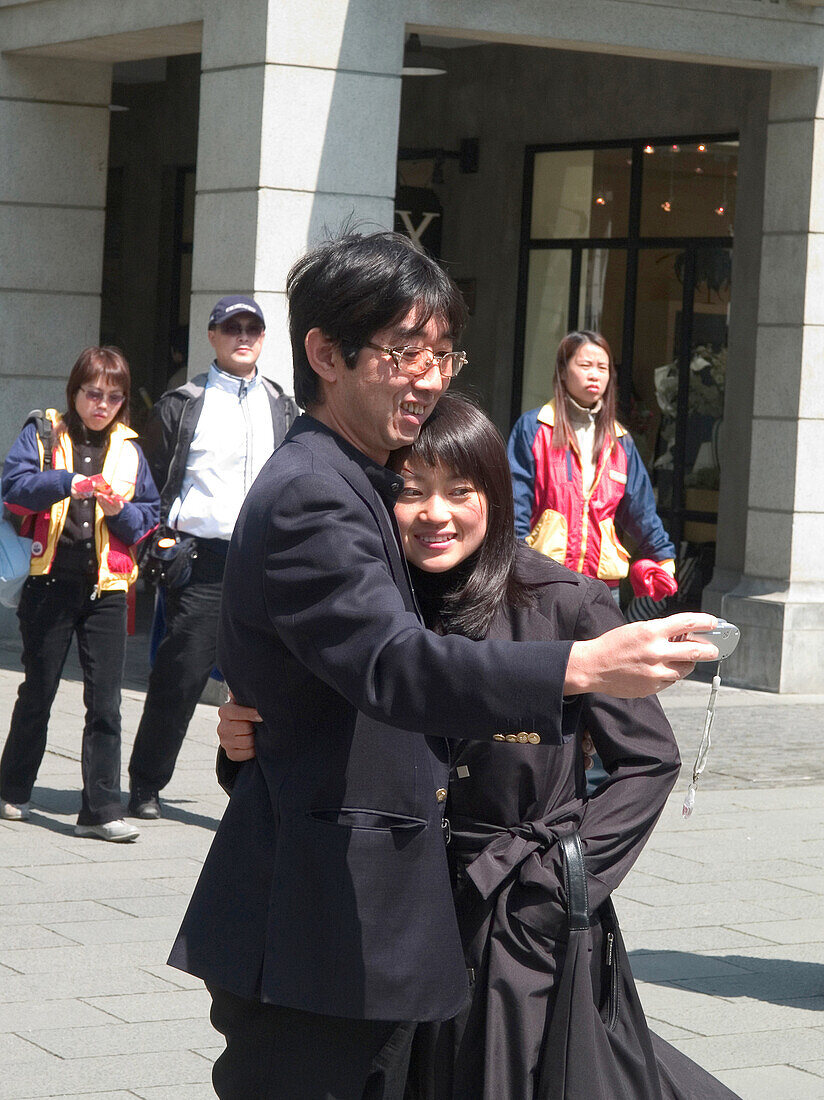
{"type": "Point", "coordinates": [298, 133]}
{"type": "Point", "coordinates": [779, 600]}
{"type": "Point", "coordinates": [54, 130]}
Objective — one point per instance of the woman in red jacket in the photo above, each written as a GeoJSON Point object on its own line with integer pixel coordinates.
{"type": "Point", "coordinates": [577, 475]}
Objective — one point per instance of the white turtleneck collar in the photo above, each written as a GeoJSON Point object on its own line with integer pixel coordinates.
{"type": "Point", "coordinates": [581, 412]}
{"type": "Point", "coordinates": [582, 420]}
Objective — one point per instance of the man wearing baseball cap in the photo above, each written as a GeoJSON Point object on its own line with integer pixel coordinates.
{"type": "Point", "coordinates": [205, 443]}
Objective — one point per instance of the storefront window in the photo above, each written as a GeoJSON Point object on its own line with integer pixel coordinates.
{"type": "Point", "coordinates": [689, 189]}
{"type": "Point", "coordinates": [601, 293]}
{"type": "Point", "coordinates": [546, 320]}
{"type": "Point", "coordinates": [581, 193]}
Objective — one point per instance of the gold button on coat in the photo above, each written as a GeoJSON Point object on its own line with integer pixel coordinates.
{"type": "Point", "coordinates": [534, 738]}
{"type": "Point", "coordinates": [523, 738]}
{"type": "Point", "coordinates": [512, 738]}
{"type": "Point", "coordinates": [498, 737]}
{"type": "Point", "coordinates": [440, 794]}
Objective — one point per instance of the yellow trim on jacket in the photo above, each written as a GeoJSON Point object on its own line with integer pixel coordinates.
{"type": "Point", "coordinates": [120, 468]}
{"type": "Point", "coordinates": [547, 416]}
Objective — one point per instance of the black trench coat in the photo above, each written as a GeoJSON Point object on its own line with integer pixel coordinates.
{"type": "Point", "coordinates": [532, 1029]}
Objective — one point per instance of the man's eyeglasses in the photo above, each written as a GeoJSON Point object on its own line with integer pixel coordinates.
{"type": "Point", "coordinates": [235, 328]}
{"type": "Point", "coordinates": [417, 361]}
{"type": "Point", "coordinates": [100, 397]}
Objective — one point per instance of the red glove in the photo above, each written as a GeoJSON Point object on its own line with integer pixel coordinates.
{"type": "Point", "coordinates": [649, 578]}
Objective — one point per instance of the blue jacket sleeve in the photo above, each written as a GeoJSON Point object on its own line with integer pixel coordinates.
{"type": "Point", "coordinates": [522, 467]}
{"type": "Point", "coordinates": [25, 485]}
{"type": "Point", "coordinates": [141, 514]}
{"type": "Point", "coordinates": [637, 514]}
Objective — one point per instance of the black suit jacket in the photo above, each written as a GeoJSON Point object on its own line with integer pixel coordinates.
{"type": "Point", "coordinates": [326, 888]}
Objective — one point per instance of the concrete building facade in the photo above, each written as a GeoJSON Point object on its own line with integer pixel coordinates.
{"type": "Point", "coordinates": [158, 156]}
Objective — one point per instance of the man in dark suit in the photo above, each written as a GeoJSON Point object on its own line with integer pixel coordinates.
{"type": "Point", "coordinates": [322, 922]}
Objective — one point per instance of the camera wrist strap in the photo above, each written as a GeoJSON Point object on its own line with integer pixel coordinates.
{"type": "Point", "coordinates": [704, 747]}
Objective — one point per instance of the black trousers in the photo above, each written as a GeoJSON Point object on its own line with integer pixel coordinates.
{"type": "Point", "coordinates": [275, 1053]}
{"type": "Point", "coordinates": [52, 610]}
{"type": "Point", "coordinates": [182, 665]}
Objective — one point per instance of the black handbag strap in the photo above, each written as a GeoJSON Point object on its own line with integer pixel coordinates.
{"type": "Point", "coordinates": [575, 882]}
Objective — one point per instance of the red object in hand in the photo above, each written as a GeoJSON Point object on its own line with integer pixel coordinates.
{"type": "Point", "coordinates": [94, 484]}
{"type": "Point", "coordinates": [648, 578]}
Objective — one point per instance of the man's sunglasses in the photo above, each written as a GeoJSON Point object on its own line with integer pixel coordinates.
{"type": "Point", "coordinates": [235, 328]}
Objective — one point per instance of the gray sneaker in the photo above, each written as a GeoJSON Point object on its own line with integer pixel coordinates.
{"type": "Point", "coordinates": [11, 812]}
{"type": "Point", "coordinates": [117, 831]}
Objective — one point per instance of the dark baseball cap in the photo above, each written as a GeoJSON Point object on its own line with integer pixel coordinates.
{"type": "Point", "coordinates": [230, 305]}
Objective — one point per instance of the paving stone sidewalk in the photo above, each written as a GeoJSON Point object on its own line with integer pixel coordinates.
{"type": "Point", "coordinates": [722, 914]}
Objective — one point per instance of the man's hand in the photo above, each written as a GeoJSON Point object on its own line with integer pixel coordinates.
{"type": "Point", "coordinates": [236, 730]}
{"type": "Point", "coordinates": [640, 659]}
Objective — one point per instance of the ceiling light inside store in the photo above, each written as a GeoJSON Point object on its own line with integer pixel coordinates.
{"type": "Point", "coordinates": [420, 62]}
{"type": "Point", "coordinates": [648, 149]}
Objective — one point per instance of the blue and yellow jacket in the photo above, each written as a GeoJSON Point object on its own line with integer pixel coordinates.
{"type": "Point", "coordinates": [42, 498]}
{"type": "Point", "coordinates": [577, 528]}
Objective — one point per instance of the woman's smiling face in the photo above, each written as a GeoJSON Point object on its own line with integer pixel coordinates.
{"type": "Point", "coordinates": [442, 517]}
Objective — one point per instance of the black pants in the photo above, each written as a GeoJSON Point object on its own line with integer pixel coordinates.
{"type": "Point", "coordinates": [182, 665]}
{"type": "Point", "coordinates": [52, 609]}
{"type": "Point", "coordinates": [275, 1053]}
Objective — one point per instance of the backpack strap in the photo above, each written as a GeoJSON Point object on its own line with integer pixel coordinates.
{"type": "Point", "coordinates": [43, 427]}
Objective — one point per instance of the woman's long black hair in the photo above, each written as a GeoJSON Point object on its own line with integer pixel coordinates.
{"type": "Point", "coordinates": [462, 438]}
{"type": "Point", "coordinates": [563, 435]}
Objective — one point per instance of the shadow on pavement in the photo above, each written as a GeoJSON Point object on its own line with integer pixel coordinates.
{"type": "Point", "coordinates": [778, 981]}
{"type": "Point", "coordinates": [56, 802]}
{"type": "Point", "coordinates": [173, 811]}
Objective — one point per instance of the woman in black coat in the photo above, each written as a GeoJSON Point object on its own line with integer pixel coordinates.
{"type": "Point", "coordinates": [552, 1015]}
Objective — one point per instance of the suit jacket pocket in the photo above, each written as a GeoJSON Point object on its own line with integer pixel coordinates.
{"type": "Point", "coordinates": [352, 818]}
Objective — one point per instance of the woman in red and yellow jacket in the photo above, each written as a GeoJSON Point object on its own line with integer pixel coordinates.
{"type": "Point", "coordinates": [576, 473]}
{"type": "Point", "coordinates": [82, 563]}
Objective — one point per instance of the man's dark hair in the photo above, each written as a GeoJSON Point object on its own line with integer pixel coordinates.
{"type": "Point", "coordinates": [353, 286]}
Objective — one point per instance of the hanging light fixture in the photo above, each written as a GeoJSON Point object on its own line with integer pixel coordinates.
{"type": "Point", "coordinates": [721, 209]}
{"type": "Point", "coordinates": [666, 205]}
{"type": "Point", "coordinates": [420, 62]}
